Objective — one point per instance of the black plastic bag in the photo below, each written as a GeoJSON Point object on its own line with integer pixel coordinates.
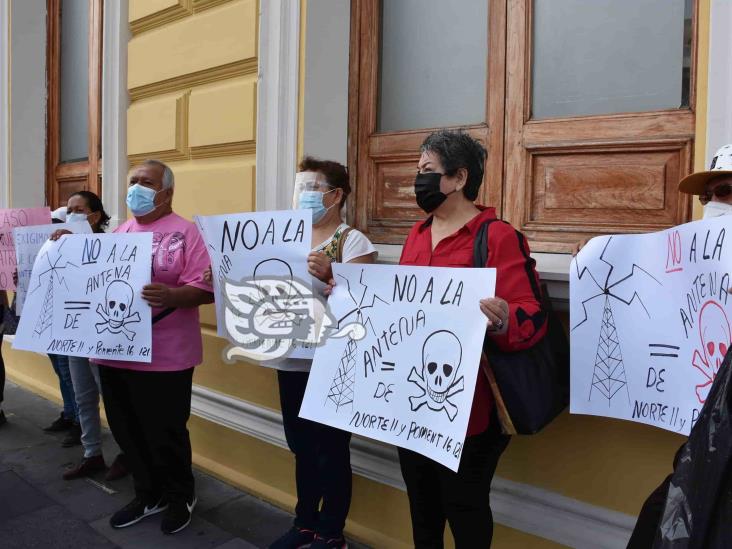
{"type": "Point", "coordinates": [698, 506]}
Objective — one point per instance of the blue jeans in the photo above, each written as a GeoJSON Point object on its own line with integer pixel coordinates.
{"type": "Point", "coordinates": [61, 367]}
{"type": "Point", "coordinates": [85, 377]}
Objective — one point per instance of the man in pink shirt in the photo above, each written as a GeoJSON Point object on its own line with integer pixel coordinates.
{"type": "Point", "coordinates": [148, 405]}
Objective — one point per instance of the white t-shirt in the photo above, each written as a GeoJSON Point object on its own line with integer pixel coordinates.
{"type": "Point", "coordinates": [355, 246]}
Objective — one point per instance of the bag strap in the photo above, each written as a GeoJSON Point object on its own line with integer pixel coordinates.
{"type": "Point", "coordinates": [341, 243]}
{"type": "Point", "coordinates": [480, 259]}
{"type": "Point", "coordinates": [162, 314]}
{"type": "Point", "coordinates": [480, 245]}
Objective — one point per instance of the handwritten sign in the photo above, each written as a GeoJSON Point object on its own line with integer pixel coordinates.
{"type": "Point", "coordinates": [650, 323]}
{"type": "Point", "coordinates": [9, 220]}
{"type": "Point", "coordinates": [410, 380]}
{"type": "Point", "coordinates": [257, 247]}
{"type": "Point", "coordinates": [28, 242]}
{"type": "Point", "coordinates": [84, 298]}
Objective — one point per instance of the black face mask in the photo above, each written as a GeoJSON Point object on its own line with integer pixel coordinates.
{"type": "Point", "coordinates": [427, 190]}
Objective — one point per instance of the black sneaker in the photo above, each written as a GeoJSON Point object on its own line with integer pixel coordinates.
{"type": "Point", "coordinates": [73, 437]}
{"type": "Point", "coordinates": [294, 538]}
{"type": "Point", "coordinates": [3, 419]}
{"type": "Point", "coordinates": [332, 543]}
{"type": "Point", "coordinates": [61, 424]}
{"type": "Point", "coordinates": [178, 516]}
{"type": "Point", "coordinates": [135, 511]}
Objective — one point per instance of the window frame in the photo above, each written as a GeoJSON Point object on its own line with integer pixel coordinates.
{"type": "Point", "coordinates": [64, 178]}
{"type": "Point", "coordinates": [516, 143]}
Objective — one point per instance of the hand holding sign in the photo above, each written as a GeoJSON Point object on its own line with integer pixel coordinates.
{"type": "Point", "coordinates": [319, 266]}
{"type": "Point", "coordinates": [496, 309]}
{"type": "Point", "coordinates": [157, 295]}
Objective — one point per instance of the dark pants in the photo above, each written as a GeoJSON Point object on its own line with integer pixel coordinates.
{"type": "Point", "coordinates": [649, 518]}
{"type": "Point", "coordinates": [437, 494]}
{"type": "Point", "coordinates": [147, 413]}
{"type": "Point", "coordinates": [2, 371]}
{"type": "Point", "coordinates": [322, 462]}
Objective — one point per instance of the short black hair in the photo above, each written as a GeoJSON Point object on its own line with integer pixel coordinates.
{"type": "Point", "coordinates": [95, 205]}
{"type": "Point", "coordinates": [456, 149]}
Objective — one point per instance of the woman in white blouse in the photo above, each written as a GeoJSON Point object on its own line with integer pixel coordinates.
{"type": "Point", "coordinates": [322, 456]}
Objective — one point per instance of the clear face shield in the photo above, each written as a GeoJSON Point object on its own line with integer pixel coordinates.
{"type": "Point", "coordinates": [306, 181]}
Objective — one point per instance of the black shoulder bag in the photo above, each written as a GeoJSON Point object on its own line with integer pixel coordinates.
{"type": "Point", "coordinates": [533, 383]}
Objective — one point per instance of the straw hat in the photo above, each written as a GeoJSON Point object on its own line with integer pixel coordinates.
{"type": "Point", "coordinates": [721, 165]}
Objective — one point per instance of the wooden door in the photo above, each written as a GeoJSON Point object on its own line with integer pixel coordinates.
{"type": "Point", "coordinates": [559, 173]}
{"type": "Point", "coordinates": [568, 178]}
{"type": "Point", "coordinates": [73, 161]}
{"type": "Point", "coordinates": [384, 161]}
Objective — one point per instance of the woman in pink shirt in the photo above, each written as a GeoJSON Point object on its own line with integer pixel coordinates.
{"type": "Point", "coordinates": [148, 405]}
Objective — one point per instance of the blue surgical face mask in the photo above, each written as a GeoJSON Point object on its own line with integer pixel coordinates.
{"type": "Point", "coordinates": [313, 200]}
{"type": "Point", "coordinates": [76, 217]}
{"type": "Point", "coordinates": [141, 200]}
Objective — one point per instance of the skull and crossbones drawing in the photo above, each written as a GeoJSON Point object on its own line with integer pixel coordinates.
{"type": "Point", "coordinates": [116, 311]}
{"type": "Point", "coordinates": [715, 336]}
{"type": "Point", "coordinates": [441, 357]}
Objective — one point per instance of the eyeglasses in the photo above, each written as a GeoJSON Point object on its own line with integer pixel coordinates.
{"type": "Point", "coordinates": [720, 191]}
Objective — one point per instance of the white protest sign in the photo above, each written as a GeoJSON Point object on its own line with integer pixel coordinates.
{"type": "Point", "coordinates": [28, 241]}
{"type": "Point", "coordinates": [84, 298]}
{"type": "Point", "coordinates": [410, 380]}
{"type": "Point", "coordinates": [260, 258]}
{"type": "Point", "coordinates": [650, 323]}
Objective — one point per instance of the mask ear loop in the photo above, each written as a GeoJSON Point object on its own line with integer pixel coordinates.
{"type": "Point", "coordinates": [334, 203]}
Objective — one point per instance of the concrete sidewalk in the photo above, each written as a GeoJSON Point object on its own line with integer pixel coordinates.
{"type": "Point", "coordinates": [40, 509]}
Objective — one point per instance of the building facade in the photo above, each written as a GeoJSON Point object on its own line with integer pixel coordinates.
{"type": "Point", "coordinates": [591, 113]}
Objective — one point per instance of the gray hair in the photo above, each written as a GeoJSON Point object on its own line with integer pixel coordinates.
{"type": "Point", "coordinates": [168, 177]}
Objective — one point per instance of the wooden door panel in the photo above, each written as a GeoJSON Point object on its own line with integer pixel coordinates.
{"type": "Point", "coordinates": [67, 187]}
{"type": "Point", "coordinates": [599, 187]}
{"type": "Point", "coordinates": [63, 179]}
{"type": "Point", "coordinates": [383, 165]}
{"type": "Point", "coordinates": [572, 178]}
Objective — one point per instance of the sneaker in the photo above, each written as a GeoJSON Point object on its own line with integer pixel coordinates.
{"type": "Point", "coordinates": [73, 437]}
{"type": "Point", "coordinates": [294, 538]}
{"type": "Point", "coordinates": [331, 543]}
{"type": "Point", "coordinates": [61, 424]}
{"type": "Point", "coordinates": [135, 511]}
{"type": "Point", "coordinates": [178, 516]}
{"type": "Point", "coordinates": [86, 468]}
{"type": "Point", "coordinates": [118, 469]}
{"type": "Point", "coordinates": [3, 419]}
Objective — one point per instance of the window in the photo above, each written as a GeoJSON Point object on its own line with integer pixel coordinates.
{"type": "Point", "coordinates": [73, 147]}
{"type": "Point", "coordinates": [586, 110]}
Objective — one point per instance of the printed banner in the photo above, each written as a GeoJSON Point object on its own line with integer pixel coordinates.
{"type": "Point", "coordinates": [407, 377]}
{"type": "Point", "coordinates": [84, 298]}
{"type": "Point", "coordinates": [258, 258]}
{"type": "Point", "coordinates": [28, 242]}
{"type": "Point", "coordinates": [650, 323]}
{"type": "Point", "coordinates": [9, 220]}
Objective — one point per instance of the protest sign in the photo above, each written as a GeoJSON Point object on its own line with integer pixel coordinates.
{"type": "Point", "coordinates": [410, 379]}
{"type": "Point", "coordinates": [28, 242]}
{"type": "Point", "coordinates": [258, 259]}
{"type": "Point", "coordinates": [650, 323]}
{"type": "Point", "coordinates": [84, 298]}
{"type": "Point", "coordinates": [9, 220]}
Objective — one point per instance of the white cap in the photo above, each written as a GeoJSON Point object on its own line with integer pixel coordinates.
{"type": "Point", "coordinates": [59, 213]}
{"type": "Point", "coordinates": [721, 165]}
